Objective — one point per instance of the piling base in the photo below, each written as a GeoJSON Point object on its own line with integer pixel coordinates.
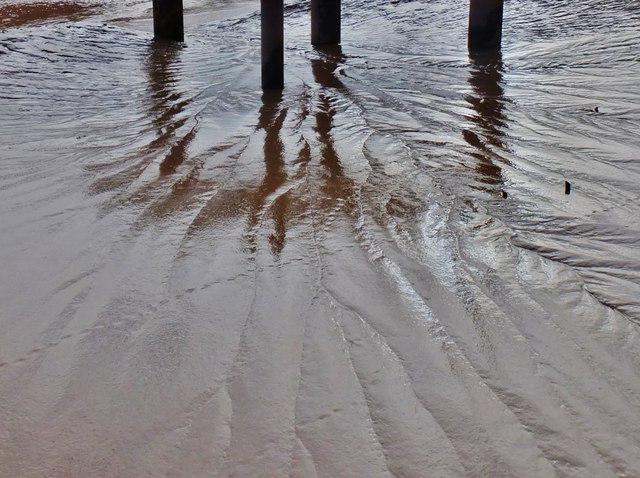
{"type": "Point", "coordinates": [272, 24]}
{"type": "Point", "coordinates": [485, 24]}
{"type": "Point", "coordinates": [168, 21]}
{"type": "Point", "coordinates": [325, 22]}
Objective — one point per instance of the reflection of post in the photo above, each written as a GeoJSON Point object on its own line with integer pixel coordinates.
{"type": "Point", "coordinates": [325, 22]}
{"type": "Point", "coordinates": [271, 119]}
{"type": "Point", "coordinates": [324, 68]}
{"type": "Point", "coordinates": [337, 185]}
{"type": "Point", "coordinates": [485, 79]}
{"type": "Point", "coordinates": [323, 72]}
{"type": "Point", "coordinates": [168, 23]}
{"type": "Point", "coordinates": [272, 15]}
{"type": "Point", "coordinates": [161, 66]}
{"type": "Point", "coordinates": [485, 24]}
{"type": "Point", "coordinates": [167, 106]}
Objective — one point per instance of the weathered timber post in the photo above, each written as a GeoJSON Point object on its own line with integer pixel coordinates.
{"type": "Point", "coordinates": [325, 22]}
{"type": "Point", "coordinates": [272, 24]}
{"type": "Point", "coordinates": [168, 22]}
{"type": "Point", "coordinates": [485, 24]}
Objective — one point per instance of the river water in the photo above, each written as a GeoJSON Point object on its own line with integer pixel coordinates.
{"type": "Point", "coordinates": [375, 273]}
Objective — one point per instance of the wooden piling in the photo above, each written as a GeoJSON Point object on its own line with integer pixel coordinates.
{"type": "Point", "coordinates": [168, 21]}
{"type": "Point", "coordinates": [485, 24]}
{"type": "Point", "coordinates": [325, 22]}
{"type": "Point", "coordinates": [272, 25]}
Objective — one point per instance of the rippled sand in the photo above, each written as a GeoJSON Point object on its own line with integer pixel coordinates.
{"type": "Point", "coordinates": [199, 279]}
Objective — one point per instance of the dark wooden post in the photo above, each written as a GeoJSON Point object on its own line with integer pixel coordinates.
{"type": "Point", "coordinates": [168, 23]}
{"type": "Point", "coordinates": [485, 24]}
{"type": "Point", "coordinates": [325, 22]}
{"type": "Point", "coordinates": [272, 24]}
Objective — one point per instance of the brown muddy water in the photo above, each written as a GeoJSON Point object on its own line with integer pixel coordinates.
{"type": "Point", "coordinates": [201, 280]}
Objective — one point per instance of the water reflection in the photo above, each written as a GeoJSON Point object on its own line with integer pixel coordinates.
{"type": "Point", "coordinates": [336, 185]}
{"type": "Point", "coordinates": [282, 196]}
{"type": "Point", "coordinates": [270, 119]}
{"type": "Point", "coordinates": [239, 196]}
{"type": "Point", "coordinates": [323, 68]}
{"type": "Point", "coordinates": [166, 109]}
{"type": "Point", "coordinates": [161, 74]}
{"type": "Point", "coordinates": [487, 101]}
{"type": "Point", "coordinates": [167, 103]}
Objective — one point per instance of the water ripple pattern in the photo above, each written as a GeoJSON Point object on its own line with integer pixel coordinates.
{"type": "Point", "coordinates": [376, 272]}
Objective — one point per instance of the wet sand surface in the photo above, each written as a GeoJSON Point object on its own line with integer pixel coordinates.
{"type": "Point", "coordinates": [14, 15]}
{"type": "Point", "coordinates": [199, 279]}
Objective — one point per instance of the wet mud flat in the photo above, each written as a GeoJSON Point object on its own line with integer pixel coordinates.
{"type": "Point", "coordinates": [15, 15]}
{"type": "Point", "coordinates": [376, 272]}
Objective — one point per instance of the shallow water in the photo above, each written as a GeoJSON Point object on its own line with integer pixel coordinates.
{"type": "Point", "coordinates": [202, 280]}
